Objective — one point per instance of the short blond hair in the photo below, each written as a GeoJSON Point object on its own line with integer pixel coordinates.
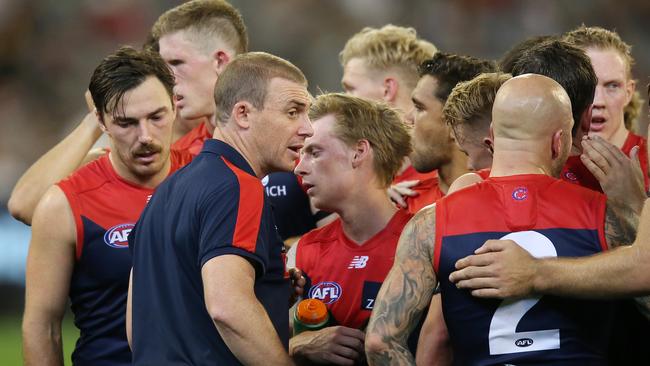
{"type": "Point", "coordinates": [601, 38]}
{"type": "Point", "coordinates": [361, 119]}
{"type": "Point", "coordinates": [470, 102]}
{"type": "Point", "coordinates": [205, 20]}
{"type": "Point", "coordinates": [387, 47]}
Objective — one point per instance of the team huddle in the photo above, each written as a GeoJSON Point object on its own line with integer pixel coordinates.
{"type": "Point", "coordinates": [429, 206]}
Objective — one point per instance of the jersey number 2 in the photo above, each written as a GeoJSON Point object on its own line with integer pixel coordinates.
{"type": "Point", "coordinates": [503, 336]}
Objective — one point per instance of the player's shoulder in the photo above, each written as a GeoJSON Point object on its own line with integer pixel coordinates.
{"type": "Point", "coordinates": [570, 191]}
{"type": "Point", "coordinates": [464, 181]}
{"type": "Point", "coordinates": [89, 177]}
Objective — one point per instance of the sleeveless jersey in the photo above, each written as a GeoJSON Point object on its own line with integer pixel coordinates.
{"type": "Point", "coordinates": [345, 275]}
{"type": "Point", "coordinates": [549, 218]}
{"type": "Point", "coordinates": [105, 208]}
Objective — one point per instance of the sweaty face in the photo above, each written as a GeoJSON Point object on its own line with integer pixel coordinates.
{"type": "Point", "coordinates": [326, 166]}
{"type": "Point", "coordinates": [194, 73]}
{"type": "Point", "coordinates": [140, 131]}
{"type": "Point", "coordinates": [361, 81]}
{"type": "Point", "coordinates": [281, 127]}
{"type": "Point", "coordinates": [430, 136]}
{"type": "Point", "coordinates": [613, 93]}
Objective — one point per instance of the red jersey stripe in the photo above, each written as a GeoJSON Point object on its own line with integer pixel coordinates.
{"type": "Point", "coordinates": [249, 212]}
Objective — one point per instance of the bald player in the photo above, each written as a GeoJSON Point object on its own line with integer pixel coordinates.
{"type": "Point", "coordinates": [531, 122]}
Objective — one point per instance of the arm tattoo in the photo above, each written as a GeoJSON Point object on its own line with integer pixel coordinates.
{"type": "Point", "coordinates": [621, 223]}
{"type": "Point", "coordinates": [405, 293]}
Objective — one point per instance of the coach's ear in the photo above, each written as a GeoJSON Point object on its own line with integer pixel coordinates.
{"type": "Point", "coordinates": [361, 152]}
{"type": "Point", "coordinates": [242, 114]}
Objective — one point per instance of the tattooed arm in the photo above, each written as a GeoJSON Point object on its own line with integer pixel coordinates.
{"type": "Point", "coordinates": [621, 224]}
{"type": "Point", "coordinates": [405, 293]}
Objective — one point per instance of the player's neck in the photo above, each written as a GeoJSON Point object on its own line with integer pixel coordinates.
{"type": "Point", "coordinates": [450, 171]}
{"type": "Point", "coordinates": [508, 162]}
{"type": "Point", "coordinates": [406, 163]}
{"type": "Point", "coordinates": [364, 217]}
{"type": "Point", "coordinates": [618, 138]}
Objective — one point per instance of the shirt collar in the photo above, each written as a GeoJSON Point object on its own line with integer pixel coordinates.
{"type": "Point", "coordinates": [218, 147]}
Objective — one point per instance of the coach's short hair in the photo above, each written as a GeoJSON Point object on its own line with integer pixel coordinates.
{"type": "Point", "coordinates": [569, 66]}
{"type": "Point", "coordinates": [450, 69]}
{"type": "Point", "coordinates": [361, 119]}
{"type": "Point", "coordinates": [470, 102]}
{"type": "Point", "coordinates": [123, 71]}
{"type": "Point", "coordinates": [205, 21]}
{"type": "Point", "coordinates": [389, 47]}
{"type": "Point", "coordinates": [247, 77]}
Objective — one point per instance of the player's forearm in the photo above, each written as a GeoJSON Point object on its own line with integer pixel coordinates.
{"type": "Point", "coordinates": [249, 334]}
{"type": "Point", "coordinates": [387, 352]}
{"type": "Point", "coordinates": [55, 165]}
{"type": "Point", "coordinates": [433, 344]}
{"type": "Point", "coordinates": [42, 343]}
{"type": "Point", "coordinates": [618, 273]}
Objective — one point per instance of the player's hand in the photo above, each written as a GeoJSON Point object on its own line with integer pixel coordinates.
{"type": "Point", "coordinates": [298, 282]}
{"type": "Point", "coordinates": [620, 176]}
{"type": "Point", "coordinates": [398, 192]}
{"type": "Point", "coordinates": [499, 268]}
{"type": "Point", "coordinates": [334, 345]}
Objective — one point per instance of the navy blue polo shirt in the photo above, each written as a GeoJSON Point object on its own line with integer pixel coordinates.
{"type": "Point", "coordinates": [290, 203]}
{"type": "Point", "coordinates": [213, 206]}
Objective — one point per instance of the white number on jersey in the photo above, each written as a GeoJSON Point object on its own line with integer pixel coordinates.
{"type": "Point", "coordinates": [503, 336]}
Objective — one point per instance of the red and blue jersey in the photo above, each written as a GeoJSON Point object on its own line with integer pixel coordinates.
{"type": "Point", "coordinates": [105, 208]}
{"type": "Point", "coordinates": [549, 218]}
{"type": "Point", "coordinates": [346, 275]}
{"type": "Point", "coordinates": [214, 206]}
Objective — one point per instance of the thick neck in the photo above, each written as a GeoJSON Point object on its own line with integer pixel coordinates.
{"type": "Point", "coordinates": [519, 157]}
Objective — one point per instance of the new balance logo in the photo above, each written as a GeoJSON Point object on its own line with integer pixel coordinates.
{"type": "Point", "coordinates": [359, 261]}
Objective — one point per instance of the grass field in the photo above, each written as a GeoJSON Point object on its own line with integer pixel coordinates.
{"type": "Point", "coordinates": [11, 344]}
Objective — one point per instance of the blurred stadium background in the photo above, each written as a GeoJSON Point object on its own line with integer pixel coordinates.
{"type": "Point", "coordinates": [48, 49]}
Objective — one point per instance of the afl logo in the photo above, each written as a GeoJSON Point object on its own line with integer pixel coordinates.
{"type": "Point", "coordinates": [524, 342]}
{"type": "Point", "coordinates": [327, 292]}
{"type": "Point", "coordinates": [569, 175]}
{"type": "Point", "coordinates": [118, 235]}
{"type": "Point", "coordinates": [520, 194]}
